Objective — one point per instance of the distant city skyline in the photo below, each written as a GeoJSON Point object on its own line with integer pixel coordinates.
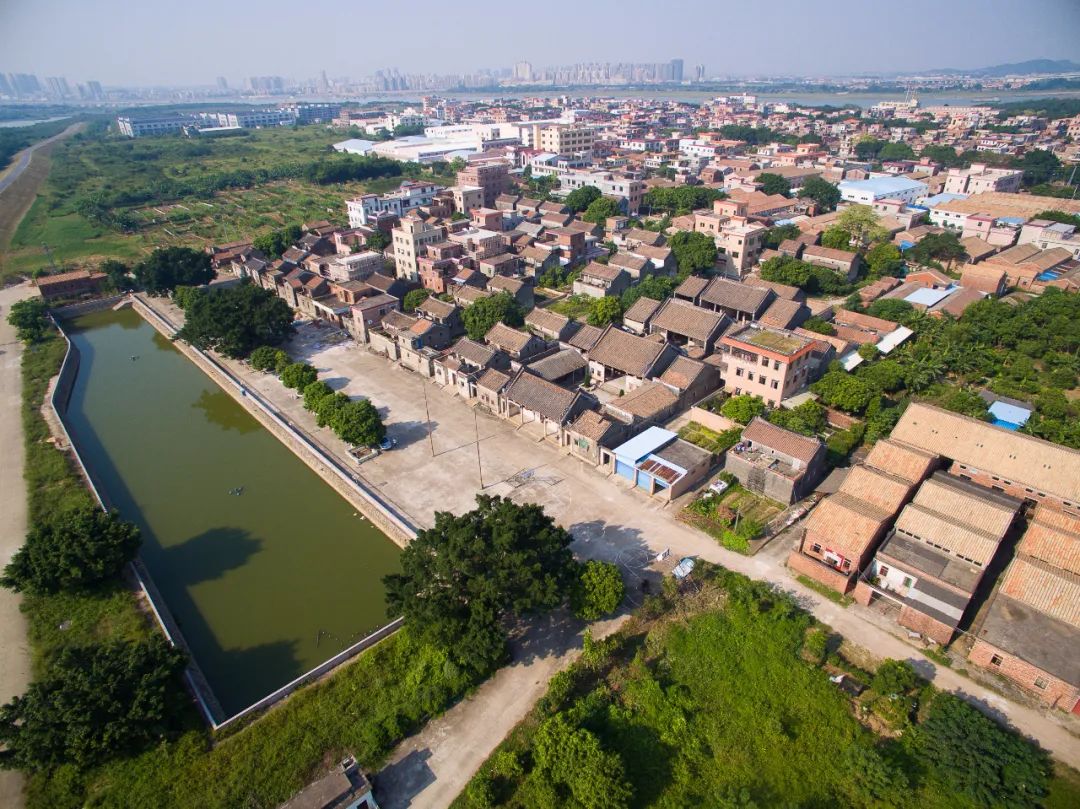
{"type": "Point", "coordinates": [118, 43]}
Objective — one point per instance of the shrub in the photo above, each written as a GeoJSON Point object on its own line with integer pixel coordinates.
{"type": "Point", "coordinates": [298, 375]}
{"type": "Point", "coordinates": [264, 358]}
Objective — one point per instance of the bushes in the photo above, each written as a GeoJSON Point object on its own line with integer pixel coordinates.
{"type": "Point", "coordinates": [268, 358]}
{"type": "Point", "coordinates": [30, 319]}
{"type": "Point", "coordinates": [298, 375]}
{"type": "Point", "coordinates": [743, 408]}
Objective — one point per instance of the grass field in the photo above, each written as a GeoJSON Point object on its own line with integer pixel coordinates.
{"type": "Point", "coordinates": [94, 165]}
{"type": "Point", "coordinates": [709, 439]}
{"type": "Point", "coordinates": [715, 697]}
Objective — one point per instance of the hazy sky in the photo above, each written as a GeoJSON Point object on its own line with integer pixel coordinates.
{"type": "Point", "coordinates": [193, 41]}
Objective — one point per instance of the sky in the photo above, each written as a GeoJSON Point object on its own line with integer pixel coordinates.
{"type": "Point", "coordinates": [190, 42]}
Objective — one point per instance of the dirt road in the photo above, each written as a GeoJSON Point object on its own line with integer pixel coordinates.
{"type": "Point", "coordinates": [15, 659]}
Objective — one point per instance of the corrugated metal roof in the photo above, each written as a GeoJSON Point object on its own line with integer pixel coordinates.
{"type": "Point", "coordinates": [645, 443]}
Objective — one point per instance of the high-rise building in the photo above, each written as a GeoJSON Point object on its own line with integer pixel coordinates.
{"type": "Point", "coordinates": [57, 87]}
{"type": "Point", "coordinates": [676, 69]}
{"type": "Point", "coordinates": [523, 71]}
{"type": "Point", "coordinates": [24, 84]}
{"type": "Point", "coordinates": [95, 91]}
{"type": "Point", "coordinates": [5, 86]}
{"type": "Point", "coordinates": [222, 83]}
{"type": "Point", "coordinates": [699, 72]}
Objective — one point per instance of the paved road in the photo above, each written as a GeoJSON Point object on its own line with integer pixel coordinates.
{"type": "Point", "coordinates": [15, 658]}
{"type": "Point", "coordinates": [23, 159]}
{"type": "Point", "coordinates": [609, 521]}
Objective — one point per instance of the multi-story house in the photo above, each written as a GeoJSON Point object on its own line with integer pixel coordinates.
{"type": "Point", "coordinates": [773, 364]}
{"type": "Point", "coordinates": [492, 177]}
{"type": "Point", "coordinates": [408, 240]}
{"type": "Point", "coordinates": [408, 196]}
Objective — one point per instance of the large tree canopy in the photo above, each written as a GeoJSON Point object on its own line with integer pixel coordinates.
{"type": "Point", "coordinates": [463, 577]}
{"type": "Point", "coordinates": [72, 550]}
{"type": "Point", "coordinates": [29, 318]}
{"type": "Point", "coordinates": [824, 193]}
{"type": "Point", "coordinates": [480, 316]}
{"type": "Point", "coordinates": [95, 703]}
{"type": "Point", "coordinates": [169, 267]}
{"type": "Point", "coordinates": [694, 252]}
{"type": "Point", "coordinates": [581, 198]}
{"type": "Point", "coordinates": [236, 320]}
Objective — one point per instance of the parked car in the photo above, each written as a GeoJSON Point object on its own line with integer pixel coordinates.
{"type": "Point", "coordinates": [387, 443]}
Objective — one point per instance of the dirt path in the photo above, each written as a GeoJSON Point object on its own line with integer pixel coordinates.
{"type": "Point", "coordinates": [20, 184]}
{"type": "Point", "coordinates": [15, 659]}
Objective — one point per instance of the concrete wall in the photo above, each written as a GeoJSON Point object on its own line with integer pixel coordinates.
{"type": "Point", "coordinates": [911, 618]}
{"type": "Point", "coordinates": [714, 421]}
{"type": "Point", "coordinates": [760, 481]}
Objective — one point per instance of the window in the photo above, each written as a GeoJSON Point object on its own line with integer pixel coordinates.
{"type": "Point", "coordinates": [816, 548]}
{"type": "Point", "coordinates": [765, 361]}
{"type": "Point", "coordinates": [1041, 683]}
{"type": "Point", "coordinates": [908, 581]}
{"type": "Point", "coordinates": [761, 378]}
{"type": "Point", "coordinates": [847, 564]}
{"type": "Point", "coordinates": [738, 371]}
{"type": "Point", "coordinates": [775, 384]}
{"type": "Point", "coordinates": [882, 571]}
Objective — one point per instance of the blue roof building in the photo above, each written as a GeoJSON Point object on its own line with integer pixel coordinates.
{"type": "Point", "coordinates": [867, 192]}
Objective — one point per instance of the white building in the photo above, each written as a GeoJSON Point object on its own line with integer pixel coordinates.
{"type": "Point", "coordinates": [981, 177]}
{"type": "Point", "coordinates": [355, 267]}
{"type": "Point", "coordinates": [867, 192]}
{"type": "Point", "coordinates": [410, 195]}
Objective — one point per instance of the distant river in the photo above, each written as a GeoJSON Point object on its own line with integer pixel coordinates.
{"type": "Point", "coordinates": [266, 584]}
{"type": "Point", "coordinates": [13, 124]}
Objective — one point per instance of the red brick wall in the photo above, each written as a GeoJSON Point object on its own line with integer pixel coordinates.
{"type": "Point", "coordinates": [921, 622]}
{"type": "Point", "coordinates": [864, 593]}
{"type": "Point", "coordinates": [819, 572]}
{"type": "Point", "coordinates": [1057, 694]}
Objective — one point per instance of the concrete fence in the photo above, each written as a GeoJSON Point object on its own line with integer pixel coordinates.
{"type": "Point", "coordinates": [714, 421]}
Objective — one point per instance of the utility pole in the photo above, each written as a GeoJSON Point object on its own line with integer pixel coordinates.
{"type": "Point", "coordinates": [427, 415]}
{"type": "Point", "coordinates": [479, 467]}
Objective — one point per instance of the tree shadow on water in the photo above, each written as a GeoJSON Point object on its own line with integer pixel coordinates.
{"type": "Point", "coordinates": [210, 555]}
{"type": "Point", "coordinates": [219, 409]}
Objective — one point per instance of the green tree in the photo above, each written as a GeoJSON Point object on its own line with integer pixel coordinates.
{"type": "Point", "coordinates": [979, 759]}
{"type": "Point", "coordinates": [893, 309]}
{"type": "Point", "coordinates": [73, 550]}
{"type": "Point", "coordinates": [281, 362]}
{"type": "Point", "coordinates": [938, 247]}
{"type": "Point", "coordinates": [264, 358]}
{"type": "Point", "coordinates": [581, 198]}
{"type": "Point", "coordinates": [95, 703]}
{"type": "Point", "coordinates": [169, 267]}
{"type": "Point", "coordinates": [743, 408]}
{"type": "Point", "coordinates": [836, 238]}
{"type": "Point", "coordinates": [945, 155]}
{"type": "Point", "coordinates": [29, 317]}
{"type": "Point", "coordinates": [884, 258]}
{"type": "Point", "coordinates": [184, 296]}
{"type": "Point", "coordinates": [807, 418]}
{"type": "Point", "coordinates": [377, 241]}
{"type": "Point", "coordinates": [895, 151]}
{"type": "Point", "coordinates": [1039, 166]}
{"type": "Point", "coordinates": [413, 298]}
{"type": "Point", "coordinates": [598, 591]}
{"type": "Point", "coordinates": [894, 677]}
{"type": "Point", "coordinates": [841, 389]}
{"type": "Point", "coordinates": [867, 148]}
{"type": "Point", "coordinates": [657, 287]}
{"type": "Point", "coordinates": [603, 311]}
{"type": "Point", "coordinates": [694, 252]}
{"type": "Point", "coordinates": [480, 316]}
{"type": "Point", "coordinates": [358, 423]}
{"type": "Point", "coordinates": [774, 184]}
{"type": "Point", "coordinates": [298, 375]}
{"type": "Point", "coordinates": [786, 270]}
{"type": "Point", "coordinates": [461, 578]}
{"type": "Point", "coordinates": [236, 320]}
{"type": "Point", "coordinates": [824, 193]}
{"type": "Point", "coordinates": [1059, 216]}
{"type": "Point", "coordinates": [314, 393]}
{"type": "Point", "coordinates": [780, 233]}
{"type": "Point", "coordinates": [962, 400]}
{"type": "Point", "coordinates": [816, 324]}
{"type": "Point", "coordinates": [600, 209]}
{"type": "Point", "coordinates": [276, 242]}
{"type": "Point", "coordinates": [576, 766]}
{"type": "Point", "coordinates": [118, 272]}
{"type": "Point", "coordinates": [885, 375]}
{"type": "Point", "coordinates": [328, 408]}
{"type": "Point", "coordinates": [862, 224]}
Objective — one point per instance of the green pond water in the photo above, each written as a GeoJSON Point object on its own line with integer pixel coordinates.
{"type": "Point", "coordinates": [264, 585]}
